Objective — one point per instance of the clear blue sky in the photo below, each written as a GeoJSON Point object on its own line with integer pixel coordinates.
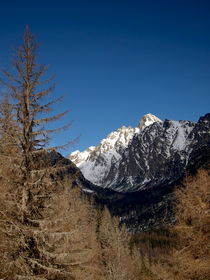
{"type": "Point", "coordinates": [117, 60]}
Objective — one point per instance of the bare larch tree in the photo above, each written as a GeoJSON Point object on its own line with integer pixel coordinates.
{"type": "Point", "coordinates": [29, 195]}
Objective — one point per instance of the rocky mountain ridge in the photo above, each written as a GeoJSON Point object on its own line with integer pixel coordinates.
{"type": "Point", "coordinates": [131, 159]}
{"type": "Point", "coordinates": [139, 186]}
{"type": "Point", "coordinates": [96, 162]}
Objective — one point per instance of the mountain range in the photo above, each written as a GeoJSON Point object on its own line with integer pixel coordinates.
{"type": "Point", "coordinates": [97, 163]}
{"type": "Point", "coordinates": [134, 170]}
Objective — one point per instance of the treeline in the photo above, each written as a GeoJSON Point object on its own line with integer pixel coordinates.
{"type": "Point", "coordinates": [49, 230]}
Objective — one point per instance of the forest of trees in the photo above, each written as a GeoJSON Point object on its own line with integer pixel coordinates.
{"type": "Point", "coordinates": [50, 230]}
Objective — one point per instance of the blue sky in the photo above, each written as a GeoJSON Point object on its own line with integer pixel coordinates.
{"type": "Point", "coordinates": [117, 60]}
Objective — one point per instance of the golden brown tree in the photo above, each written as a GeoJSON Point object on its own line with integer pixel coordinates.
{"type": "Point", "coordinates": [45, 227]}
{"type": "Point", "coordinates": [118, 262]}
{"type": "Point", "coordinates": [190, 257]}
{"type": "Point", "coordinates": [27, 89]}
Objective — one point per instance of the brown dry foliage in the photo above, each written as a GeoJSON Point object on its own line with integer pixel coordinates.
{"type": "Point", "coordinates": [61, 244]}
{"type": "Point", "coordinates": [46, 228]}
{"type": "Point", "coordinates": [118, 261]}
{"type": "Point", "coordinates": [190, 258]}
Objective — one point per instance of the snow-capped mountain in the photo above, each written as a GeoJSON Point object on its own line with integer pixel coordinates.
{"type": "Point", "coordinates": [139, 168]}
{"type": "Point", "coordinates": [153, 156]}
{"type": "Point", "coordinates": [133, 159]}
{"type": "Point", "coordinates": [97, 162]}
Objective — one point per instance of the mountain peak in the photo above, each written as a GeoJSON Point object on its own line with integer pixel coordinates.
{"type": "Point", "coordinates": [147, 120]}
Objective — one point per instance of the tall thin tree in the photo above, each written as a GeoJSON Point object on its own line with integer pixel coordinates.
{"type": "Point", "coordinates": [27, 88]}
{"type": "Point", "coordinates": [25, 182]}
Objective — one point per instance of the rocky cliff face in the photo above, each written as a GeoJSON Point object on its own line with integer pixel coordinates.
{"type": "Point", "coordinates": [154, 153]}
{"type": "Point", "coordinates": [96, 163]}
{"type": "Point", "coordinates": [136, 169]}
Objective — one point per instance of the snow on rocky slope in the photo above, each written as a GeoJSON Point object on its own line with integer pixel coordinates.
{"type": "Point", "coordinates": [135, 170]}
{"type": "Point", "coordinates": [97, 162]}
{"type": "Point", "coordinates": [156, 155]}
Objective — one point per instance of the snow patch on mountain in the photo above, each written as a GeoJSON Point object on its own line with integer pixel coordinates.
{"type": "Point", "coordinates": [147, 120]}
{"type": "Point", "coordinates": [182, 132]}
{"type": "Point", "coordinates": [80, 157]}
